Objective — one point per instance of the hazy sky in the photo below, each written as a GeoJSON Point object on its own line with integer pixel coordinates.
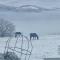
{"type": "Point", "coordinates": [43, 22]}
{"type": "Point", "coordinates": [42, 3]}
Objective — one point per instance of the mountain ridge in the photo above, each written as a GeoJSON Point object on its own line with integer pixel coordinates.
{"type": "Point", "coordinates": [26, 8]}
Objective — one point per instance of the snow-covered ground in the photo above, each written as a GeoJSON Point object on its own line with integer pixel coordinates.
{"type": "Point", "coordinates": [43, 23]}
{"type": "Point", "coordinates": [46, 46]}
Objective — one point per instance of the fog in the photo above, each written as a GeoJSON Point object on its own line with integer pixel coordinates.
{"type": "Point", "coordinates": [47, 22]}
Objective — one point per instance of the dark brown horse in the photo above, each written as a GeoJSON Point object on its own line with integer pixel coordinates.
{"type": "Point", "coordinates": [18, 34]}
{"type": "Point", "coordinates": [34, 36]}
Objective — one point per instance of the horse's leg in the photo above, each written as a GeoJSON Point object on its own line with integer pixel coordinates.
{"type": "Point", "coordinates": [37, 38]}
{"type": "Point", "coordinates": [33, 38]}
{"type": "Point", "coordinates": [15, 35]}
{"type": "Point", "coordinates": [30, 37]}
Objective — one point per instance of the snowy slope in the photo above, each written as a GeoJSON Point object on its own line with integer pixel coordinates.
{"type": "Point", "coordinates": [45, 22]}
{"type": "Point", "coordinates": [46, 46]}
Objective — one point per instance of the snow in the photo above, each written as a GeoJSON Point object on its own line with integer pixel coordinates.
{"type": "Point", "coordinates": [43, 23]}
{"type": "Point", "coordinates": [46, 46]}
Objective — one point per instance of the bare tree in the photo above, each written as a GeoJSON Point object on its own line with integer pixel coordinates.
{"type": "Point", "coordinates": [6, 28]}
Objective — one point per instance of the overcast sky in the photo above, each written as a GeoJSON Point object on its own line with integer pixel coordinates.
{"type": "Point", "coordinates": [43, 3]}
{"type": "Point", "coordinates": [43, 22]}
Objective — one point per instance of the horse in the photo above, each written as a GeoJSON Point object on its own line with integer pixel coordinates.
{"type": "Point", "coordinates": [34, 36]}
{"type": "Point", "coordinates": [18, 34]}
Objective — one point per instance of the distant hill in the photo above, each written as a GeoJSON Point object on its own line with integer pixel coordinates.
{"type": "Point", "coordinates": [25, 8]}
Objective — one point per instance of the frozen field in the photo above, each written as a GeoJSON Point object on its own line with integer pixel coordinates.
{"type": "Point", "coordinates": [42, 23]}
{"type": "Point", "coordinates": [46, 46]}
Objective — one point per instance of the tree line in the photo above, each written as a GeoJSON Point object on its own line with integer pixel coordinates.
{"type": "Point", "coordinates": [7, 28]}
